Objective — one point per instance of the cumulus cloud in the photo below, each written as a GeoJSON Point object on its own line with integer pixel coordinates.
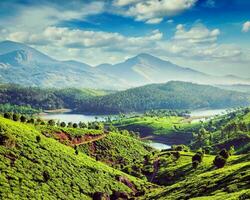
{"type": "Point", "coordinates": [196, 34]}
{"type": "Point", "coordinates": [154, 11]}
{"type": "Point", "coordinates": [199, 43]}
{"type": "Point", "coordinates": [246, 26]}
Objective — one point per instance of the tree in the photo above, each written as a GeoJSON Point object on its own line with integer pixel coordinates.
{"type": "Point", "coordinates": [51, 122]}
{"type": "Point", "coordinates": [224, 153]}
{"type": "Point", "coordinates": [63, 124]}
{"type": "Point", "coordinates": [23, 119]}
{"type": "Point", "coordinates": [219, 161]}
{"type": "Point", "coordinates": [195, 164]}
{"type": "Point", "coordinates": [7, 115]}
{"type": "Point", "coordinates": [75, 125]}
{"type": "Point", "coordinates": [198, 157]}
{"type": "Point", "coordinates": [70, 124]}
{"type": "Point", "coordinates": [82, 125]}
{"type": "Point", "coordinates": [16, 117]}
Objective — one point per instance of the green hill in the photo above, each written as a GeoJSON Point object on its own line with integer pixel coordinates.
{"type": "Point", "coordinates": [41, 98]}
{"type": "Point", "coordinates": [171, 95]}
{"type": "Point", "coordinates": [36, 167]}
{"type": "Point", "coordinates": [206, 182]}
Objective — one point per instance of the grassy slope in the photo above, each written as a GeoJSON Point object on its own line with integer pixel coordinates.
{"type": "Point", "coordinates": [72, 176]}
{"type": "Point", "coordinates": [206, 181]}
{"type": "Point", "coordinates": [117, 149]}
{"type": "Point", "coordinates": [164, 126]}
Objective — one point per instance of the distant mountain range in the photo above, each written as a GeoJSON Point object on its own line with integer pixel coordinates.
{"type": "Point", "coordinates": [24, 65]}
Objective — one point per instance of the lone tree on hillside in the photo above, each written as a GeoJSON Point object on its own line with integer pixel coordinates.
{"type": "Point", "coordinates": [219, 161]}
{"type": "Point", "coordinates": [23, 119]}
{"type": "Point", "coordinates": [224, 153]}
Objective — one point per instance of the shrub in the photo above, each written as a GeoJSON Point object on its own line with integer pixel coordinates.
{"type": "Point", "coordinates": [176, 154]}
{"type": "Point", "coordinates": [224, 153]}
{"type": "Point", "coordinates": [7, 115]}
{"type": "Point", "coordinates": [219, 161]}
{"type": "Point", "coordinates": [46, 176]}
{"type": "Point", "coordinates": [38, 138]}
{"type": "Point", "coordinates": [31, 121]}
{"type": "Point", "coordinates": [75, 125]}
{"type": "Point", "coordinates": [7, 139]}
{"type": "Point", "coordinates": [23, 119]}
{"type": "Point", "coordinates": [195, 164]}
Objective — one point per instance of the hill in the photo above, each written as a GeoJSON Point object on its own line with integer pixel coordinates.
{"type": "Point", "coordinates": [203, 183]}
{"type": "Point", "coordinates": [171, 95]}
{"type": "Point", "coordinates": [44, 168]}
{"type": "Point", "coordinates": [46, 99]}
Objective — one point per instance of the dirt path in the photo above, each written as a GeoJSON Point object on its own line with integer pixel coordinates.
{"type": "Point", "coordinates": [99, 137]}
{"type": "Point", "coordinates": [156, 168]}
{"type": "Point", "coordinates": [76, 141]}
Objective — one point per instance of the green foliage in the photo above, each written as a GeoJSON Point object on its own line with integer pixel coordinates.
{"type": "Point", "coordinates": [23, 119]}
{"type": "Point", "coordinates": [220, 161]}
{"type": "Point", "coordinates": [63, 124]}
{"type": "Point", "coordinates": [7, 115]}
{"type": "Point", "coordinates": [171, 95]}
{"type": "Point", "coordinates": [50, 170]}
{"type": "Point", "coordinates": [224, 153]}
{"type": "Point", "coordinates": [16, 117]}
{"type": "Point", "coordinates": [51, 122]}
{"type": "Point", "coordinates": [27, 110]}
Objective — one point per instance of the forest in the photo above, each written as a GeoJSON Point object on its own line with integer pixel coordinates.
{"type": "Point", "coordinates": [171, 95]}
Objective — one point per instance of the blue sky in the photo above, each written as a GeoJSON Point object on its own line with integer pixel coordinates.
{"type": "Point", "coordinates": [212, 36]}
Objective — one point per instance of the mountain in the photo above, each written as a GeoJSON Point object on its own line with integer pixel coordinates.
{"type": "Point", "coordinates": [145, 69]}
{"type": "Point", "coordinates": [171, 95]}
{"type": "Point", "coordinates": [236, 87]}
{"type": "Point", "coordinates": [24, 65]}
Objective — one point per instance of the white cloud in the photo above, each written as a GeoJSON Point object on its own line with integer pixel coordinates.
{"type": "Point", "coordinates": [246, 26]}
{"type": "Point", "coordinates": [75, 43]}
{"type": "Point", "coordinates": [35, 18]}
{"type": "Point", "coordinates": [197, 34]}
{"type": "Point", "coordinates": [124, 2]}
{"type": "Point", "coordinates": [154, 21]}
{"type": "Point", "coordinates": [150, 10]}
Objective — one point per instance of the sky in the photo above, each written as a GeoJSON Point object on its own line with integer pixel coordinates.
{"type": "Point", "coordinates": [212, 36]}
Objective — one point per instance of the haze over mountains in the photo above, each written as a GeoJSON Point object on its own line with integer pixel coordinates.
{"type": "Point", "coordinates": [24, 65]}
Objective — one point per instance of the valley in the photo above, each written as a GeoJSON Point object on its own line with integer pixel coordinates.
{"type": "Point", "coordinates": [124, 100]}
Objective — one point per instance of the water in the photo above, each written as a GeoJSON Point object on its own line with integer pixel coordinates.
{"type": "Point", "coordinates": [159, 146]}
{"type": "Point", "coordinates": [207, 113]}
{"type": "Point", "coordinates": [75, 118]}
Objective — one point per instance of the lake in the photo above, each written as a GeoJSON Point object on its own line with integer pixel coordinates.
{"type": "Point", "coordinates": [207, 113]}
{"type": "Point", "coordinates": [159, 146]}
{"type": "Point", "coordinates": [69, 117]}
{"type": "Point", "coordinates": [75, 118]}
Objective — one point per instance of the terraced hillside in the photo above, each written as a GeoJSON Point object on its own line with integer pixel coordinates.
{"type": "Point", "coordinates": [35, 167]}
